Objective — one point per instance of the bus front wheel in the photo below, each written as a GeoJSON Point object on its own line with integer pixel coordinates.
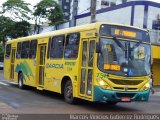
{"type": "Point", "coordinates": [20, 81]}
{"type": "Point", "coordinates": [68, 92]}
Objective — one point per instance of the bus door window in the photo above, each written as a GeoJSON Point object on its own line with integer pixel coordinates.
{"type": "Point", "coordinates": [91, 53]}
{"type": "Point", "coordinates": [90, 65]}
{"type": "Point", "coordinates": [72, 45]}
{"type": "Point", "coordinates": [57, 47]}
{"type": "Point", "coordinates": [83, 70]}
{"type": "Point", "coordinates": [19, 48]}
{"type": "Point", "coordinates": [84, 54]}
{"type": "Point", "coordinates": [8, 51]}
{"type": "Point", "coordinates": [42, 64]}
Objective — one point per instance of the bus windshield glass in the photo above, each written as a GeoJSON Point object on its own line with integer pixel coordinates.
{"type": "Point", "coordinates": [124, 57]}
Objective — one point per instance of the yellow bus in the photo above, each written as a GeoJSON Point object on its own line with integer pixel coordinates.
{"type": "Point", "coordinates": [96, 62]}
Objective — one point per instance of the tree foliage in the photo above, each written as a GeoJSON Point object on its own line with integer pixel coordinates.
{"type": "Point", "coordinates": [16, 24]}
{"type": "Point", "coordinates": [6, 26]}
{"type": "Point", "coordinates": [49, 10]}
{"type": "Point", "coordinates": [18, 9]}
{"type": "Point", "coordinates": [1, 53]}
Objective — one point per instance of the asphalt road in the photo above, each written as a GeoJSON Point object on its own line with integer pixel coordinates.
{"type": "Point", "coordinates": [32, 101]}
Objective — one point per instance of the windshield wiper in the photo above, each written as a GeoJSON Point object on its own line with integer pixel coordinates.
{"type": "Point", "coordinates": [136, 45]}
{"type": "Point", "coordinates": [119, 43]}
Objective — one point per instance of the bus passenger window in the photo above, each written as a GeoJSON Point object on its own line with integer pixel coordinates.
{"type": "Point", "coordinates": [57, 47]}
{"type": "Point", "coordinates": [25, 49]}
{"type": "Point", "coordinates": [72, 45]}
{"type": "Point", "coordinates": [33, 49]}
{"type": "Point", "coordinates": [91, 53]}
{"type": "Point", "coordinates": [8, 51]}
{"type": "Point", "coordinates": [19, 48]}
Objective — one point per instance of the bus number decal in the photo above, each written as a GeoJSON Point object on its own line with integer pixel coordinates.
{"type": "Point", "coordinates": [102, 75]}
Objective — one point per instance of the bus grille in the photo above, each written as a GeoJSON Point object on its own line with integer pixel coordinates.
{"type": "Point", "coordinates": [122, 88]}
{"type": "Point", "coordinates": [126, 82]}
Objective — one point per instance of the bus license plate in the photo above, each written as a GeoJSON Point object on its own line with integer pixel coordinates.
{"type": "Point", "coordinates": [125, 99]}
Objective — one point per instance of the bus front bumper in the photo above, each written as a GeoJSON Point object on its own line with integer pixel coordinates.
{"type": "Point", "coordinates": [116, 96]}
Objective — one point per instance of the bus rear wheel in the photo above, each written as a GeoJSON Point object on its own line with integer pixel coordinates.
{"type": "Point", "coordinates": [20, 81]}
{"type": "Point", "coordinates": [68, 92]}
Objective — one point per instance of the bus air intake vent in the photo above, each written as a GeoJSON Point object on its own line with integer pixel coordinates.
{"type": "Point", "coordinates": [126, 82]}
{"type": "Point", "coordinates": [131, 95]}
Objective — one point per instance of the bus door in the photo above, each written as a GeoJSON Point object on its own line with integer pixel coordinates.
{"type": "Point", "coordinates": [12, 63]}
{"type": "Point", "coordinates": [88, 53]}
{"type": "Point", "coordinates": [41, 64]}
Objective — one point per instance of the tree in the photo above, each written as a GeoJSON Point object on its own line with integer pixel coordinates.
{"type": "Point", "coordinates": [16, 24]}
{"type": "Point", "coordinates": [6, 25]}
{"type": "Point", "coordinates": [12, 29]}
{"type": "Point", "coordinates": [20, 29]}
{"type": "Point", "coordinates": [17, 9]}
{"type": "Point", "coordinates": [1, 53]}
{"type": "Point", "coordinates": [48, 10]}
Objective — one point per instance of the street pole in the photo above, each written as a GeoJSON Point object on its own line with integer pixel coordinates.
{"type": "Point", "coordinates": [93, 10]}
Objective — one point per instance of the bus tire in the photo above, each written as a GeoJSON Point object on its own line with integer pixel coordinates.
{"type": "Point", "coordinates": [20, 81]}
{"type": "Point", "coordinates": [68, 92]}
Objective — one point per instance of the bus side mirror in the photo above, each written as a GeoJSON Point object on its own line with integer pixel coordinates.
{"type": "Point", "coordinates": [98, 47]}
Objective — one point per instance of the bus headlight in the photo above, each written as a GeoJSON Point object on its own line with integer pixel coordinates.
{"type": "Point", "coordinates": [103, 84]}
{"type": "Point", "coordinates": [146, 86]}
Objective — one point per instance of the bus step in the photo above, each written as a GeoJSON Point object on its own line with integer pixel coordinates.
{"type": "Point", "coordinates": [40, 88]}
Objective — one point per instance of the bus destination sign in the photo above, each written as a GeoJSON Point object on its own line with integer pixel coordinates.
{"type": "Point", "coordinates": [125, 33]}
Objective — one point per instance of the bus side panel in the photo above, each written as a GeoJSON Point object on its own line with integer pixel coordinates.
{"type": "Point", "coordinates": [56, 70]}
{"type": "Point", "coordinates": [28, 68]}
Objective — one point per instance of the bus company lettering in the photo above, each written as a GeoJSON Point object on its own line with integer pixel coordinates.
{"type": "Point", "coordinates": [58, 66]}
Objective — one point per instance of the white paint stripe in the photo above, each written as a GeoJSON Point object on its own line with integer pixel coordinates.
{"type": "Point", "coordinates": [14, 83]}
{"type": "Point", "coordinates": [4, 84]}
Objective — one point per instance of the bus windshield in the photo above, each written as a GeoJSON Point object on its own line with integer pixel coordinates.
{"type": "Point", "coordinates": [125, 51]}
{"type": "Point", "coordinates": [131, 60]}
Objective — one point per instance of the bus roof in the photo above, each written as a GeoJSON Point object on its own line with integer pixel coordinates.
{"type": "Point", "coordinates": [69, 30]}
